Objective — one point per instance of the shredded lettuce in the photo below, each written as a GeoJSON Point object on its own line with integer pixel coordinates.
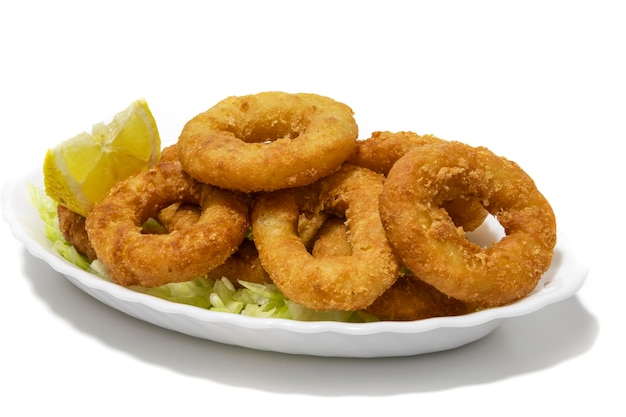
{"type": "Point", "coordinates": [247, 298]}
{"type": "Point", "coordinates": [196, 293]}
{"type": "Point", "coordinates": [46, 207]}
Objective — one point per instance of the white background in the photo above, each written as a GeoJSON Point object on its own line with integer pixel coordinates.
{"type": "Point", "coordinates": [540, 82]}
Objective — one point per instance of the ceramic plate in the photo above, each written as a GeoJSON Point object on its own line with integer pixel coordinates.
{"type": "Point", "coordinates": [379, 339]}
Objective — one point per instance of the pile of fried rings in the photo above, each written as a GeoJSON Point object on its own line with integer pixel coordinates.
{"type": "Point", "coordinates": [275, 188]}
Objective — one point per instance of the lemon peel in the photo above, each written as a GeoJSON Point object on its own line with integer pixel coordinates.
{"type": "Point", "coordinates": [79, 171]}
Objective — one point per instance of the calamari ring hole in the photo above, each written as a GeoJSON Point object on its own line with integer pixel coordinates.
{"type": "Point", "coordinates": [270, 132]}
{"type": "Point", "coordinates": [488, 233]}
{"type": "Point", "coordinates": [170, 218]}
{"type": "Point", "coordinates": [333, 234]}
{"type": "Point", "coordinates": [270, 129]}
{"type": "Point", "coordinates": [153, 226]}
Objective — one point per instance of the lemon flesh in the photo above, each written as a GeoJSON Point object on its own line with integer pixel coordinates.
{"type": "Point", "coordinates": [81, 170]}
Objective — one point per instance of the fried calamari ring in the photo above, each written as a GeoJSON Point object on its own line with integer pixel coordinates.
{"type": "Point", "coordinates": [341, 282]}
{"type": "Point", "coordinates": [381, 151]}
{"type": "Point", "coordinates": [169, 153]}
{"type": "Point", "coordinates": [149, 260]}
{"type": "Point", "coordinates": [243, 265]}
{"type": "Point", "coordinates": [434, 249]}
{"type": "Point", "coordinates": [72, 226]}
{"type": "Point", "coordinates": [309, 225]}
{"type": "Point", "coordinates": [179, 216]}
{"type": "Point", "coordinates": [409, 298]}
{"type": "Point", "coordinates": [332, 239]}
{"type": "Point", "coordinates": [268, 141]}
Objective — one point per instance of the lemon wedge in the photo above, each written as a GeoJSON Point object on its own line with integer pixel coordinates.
{"type": "Point", "coordinates": [81, 170]}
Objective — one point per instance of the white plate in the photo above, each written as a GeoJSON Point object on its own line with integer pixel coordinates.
{"type": "Point", "coordinates": [379, 339]}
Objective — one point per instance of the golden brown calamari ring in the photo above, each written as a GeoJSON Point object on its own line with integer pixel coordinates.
{"type": "Point", "coordinates": [268, 141]}
{"type": "Point", "coordinates": [150, 260]}
{"type": "Point", "coordinates": [72, 226]}
{"type": "Point", "coordinates": [333, 239]}
{"type": "Point", "coordinates": [435, 250]}
{"type": "Point", "coordinates": [409, 298]}
{"type": "Point", "coordinates": [243, 265]}
{"type": "Point", "coordinates": [380, 151]}
{"type": "Point", "coordinates": [179, 216]}
{"type": "Point", "coordinates": [341, 282]}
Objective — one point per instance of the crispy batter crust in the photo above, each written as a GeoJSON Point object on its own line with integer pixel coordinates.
{"type": "Point", "coordinates": [381, 151]}
{"type": "Point", "coordinates": [149, 260]}
{"type": "Point", "coordinates": [409, 298]}
{"type": "Point", "coordinates": [268, 141]}
{"type": "Point", "coordinates": [242, 265]}
{"type": "Point", "coordinates": [341, 282]}
{"type": "Point", "coordinates": [72, 226]}
{"type": "Point", "coordinates": [431, 246]}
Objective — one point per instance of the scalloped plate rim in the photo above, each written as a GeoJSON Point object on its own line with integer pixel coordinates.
{"type": "Point", "coordinates": [565, 277]}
